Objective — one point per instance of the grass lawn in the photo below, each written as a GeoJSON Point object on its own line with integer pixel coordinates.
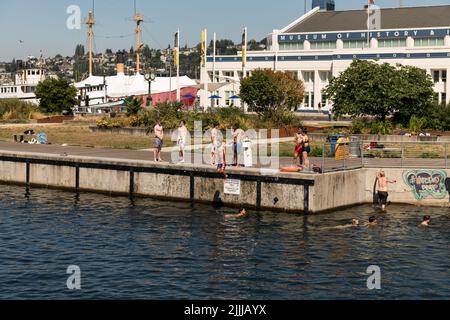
{"type": "Point", "coordinates": [81, 136]}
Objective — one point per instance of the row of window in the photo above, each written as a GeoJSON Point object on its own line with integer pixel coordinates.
{"type": "Point", "coordinates": [8, 90]}
{"type": "Point", "coordinates": [354, 44]}
{"type": "Point", "coordinates": [94, 88]}
{"type": "Point", "coordinates": [34, 72]}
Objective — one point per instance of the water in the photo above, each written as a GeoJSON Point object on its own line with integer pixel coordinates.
{"type": "Point", "coordinates": [146, 249]}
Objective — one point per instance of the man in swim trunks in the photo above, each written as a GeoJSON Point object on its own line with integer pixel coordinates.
{"type": "Point", "coordinates": [383, 189]}
{"type": "Point", "coordinates": [159, 137]}
{"type": "Point", "coordinates": [298, 152]}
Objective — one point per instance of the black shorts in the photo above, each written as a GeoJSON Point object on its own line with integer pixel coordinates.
{"type": "Point", "coordinates": [307, 149]}
{"type": "Point", "coordinates": [383, 196]}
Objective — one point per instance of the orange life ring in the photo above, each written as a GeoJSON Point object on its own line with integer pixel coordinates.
{"type": "Point", "coordinates": [291, 169]}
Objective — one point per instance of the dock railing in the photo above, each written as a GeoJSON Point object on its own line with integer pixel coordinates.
{"type": "Point", "coordinates": [369, 154]}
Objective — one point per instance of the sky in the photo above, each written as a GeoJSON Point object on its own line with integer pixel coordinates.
{"type": "Point", "coordinates": [29, 26]}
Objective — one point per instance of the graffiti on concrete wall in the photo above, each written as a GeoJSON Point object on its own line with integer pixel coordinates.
{"type": "Point", "coordinates": [427, 183]}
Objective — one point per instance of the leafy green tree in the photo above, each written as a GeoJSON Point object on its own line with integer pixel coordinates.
{"type": "Point", "coordinates": [56, 95]}
{"type": "Point", "coordinates": [134, 105]}
{"type": "Point", "coordinates": [416, 94]}
{"type": "Point", "coordinates": [267, 92]}
{"type": "Point", "coordinates": [368, 88]}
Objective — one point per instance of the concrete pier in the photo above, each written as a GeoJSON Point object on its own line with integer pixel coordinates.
{"type": "Point", "coordinates": [252, 188]}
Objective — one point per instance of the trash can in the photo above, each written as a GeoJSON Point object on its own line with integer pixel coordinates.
{"type": "Point", "coordinates": [333, 140]}
{"type": "Point", "coordinates": [355, 147]}
{"type": "Point", "coordinates": [248, 153]}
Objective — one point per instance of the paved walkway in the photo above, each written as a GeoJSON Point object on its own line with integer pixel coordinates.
{"type": "Point", "coordinates": [119, 154]}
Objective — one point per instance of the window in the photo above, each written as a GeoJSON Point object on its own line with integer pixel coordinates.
{"type": "Point", "coordinates": [308, 100]}
{"type": "Point", "coordinates": [321, 45]}
{"type": "Point", "coordinates": [439, 76]}
{"type": "Point", "coordinates": [228, 74]}
{"type": "Point", "coordinates": [391, 43]}
{"type": "Point", "coordinates": [428, 42]}
{"type": "Point", "coordinates": [292, 46]}
{"type": "Point", "coordinates": [324, 100]}
{"type": "Point", "coordinates": [228, 95]}
{"type": "Point", "coordinates": [354, 44]}
{"type": "Point", "coordinates": [308, 76]}
{"type": "Point", "coordinates": [325, 76]}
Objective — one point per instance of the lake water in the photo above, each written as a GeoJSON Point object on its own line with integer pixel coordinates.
{"type": "Point", "coordinates": [146, 249]}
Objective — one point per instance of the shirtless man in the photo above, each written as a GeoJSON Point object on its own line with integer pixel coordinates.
{"type": "Point", "coordinates": [159, 137]}
{"type": "Point", "coordinates": [242, 213]}
{"type": "Point", "coordinates": [383, 189]}
{"type": "Point", "coordinates": [355, 223]}
{"type": "Point", "coordinates": [426, 221]}
{"type": "Point", "coordinates": [214, 143]}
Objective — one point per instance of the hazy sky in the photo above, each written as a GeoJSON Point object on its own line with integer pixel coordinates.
{"type": "Point", "coordinates": [41, 24]}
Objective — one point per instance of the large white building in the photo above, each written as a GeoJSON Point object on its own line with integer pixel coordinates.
{"type": "Point", "coordinates": [321, 44]}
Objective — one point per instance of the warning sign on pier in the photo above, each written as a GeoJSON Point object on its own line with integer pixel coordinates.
{"type": "Point", "coordinates": [232, 187]}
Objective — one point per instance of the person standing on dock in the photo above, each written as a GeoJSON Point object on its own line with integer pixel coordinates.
{"type": "Point", "coordinates": [298, 153]}
{"type": "Point", "coordinates": [383, 194]}
{"type": "Point", "coordinates": [306, 148]}
{"type": "Point", "coordinates": [238, 137]}
{"type": "Point", "coordinates": [159, 138]}
{"type": "Point", "coordinates": [182, 138]}
{"type": "Point", "coordinates": [214, 143]}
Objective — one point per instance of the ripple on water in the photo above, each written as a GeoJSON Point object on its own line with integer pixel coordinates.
{"type": "Point", "coordinates": [166, 250]}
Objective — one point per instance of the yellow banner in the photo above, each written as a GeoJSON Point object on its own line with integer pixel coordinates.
{"type": "Point", "coordinates": [203, 48]}
{"type": "Point", "coordinates": [176, 57]}
{"type": "Point", "coordinates": [244, 56]}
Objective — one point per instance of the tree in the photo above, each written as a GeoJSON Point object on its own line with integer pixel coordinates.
{"type": "Point", "coordinates": [79, 51]}
{"type": "Point", "coordinates": [417, 94]}
{"type": "Point", "coordinates": [368, 88]}
{"type": "Point", "coordinates": [134, 105]}
{"type": "Point", "coordinates": [56, 95]}
{"type": "Point", "coordinates": [267, 92]}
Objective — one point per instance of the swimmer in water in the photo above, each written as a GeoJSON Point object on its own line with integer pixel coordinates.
{"type": "Point", "coordinates": [372, 222]}
{"type": "Point", "coordinates": [426, 221]}
{"type": "Point", "coordinates": [355, 223]}
{"type": "Point", "coordinates": [242, 213]}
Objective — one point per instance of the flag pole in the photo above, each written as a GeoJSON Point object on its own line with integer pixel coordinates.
{"type": "Point", "coordinates": [178, 65]}
{"type": "Point", "coordinates": [205, 71]}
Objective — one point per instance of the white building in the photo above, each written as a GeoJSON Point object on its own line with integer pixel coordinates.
{"type": "Point", "coordinates": [321, 44]}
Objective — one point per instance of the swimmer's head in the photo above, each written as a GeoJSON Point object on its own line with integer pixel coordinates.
{"type": "Point", "coordinates": [242, 211]}
{"type": "Point", "coordinates": [382, 174]}
{"type": "Point", "coordinates": [355, 222]}
{"type": "Point", "coordinates": [372, 220]}
{"type": "Point", "coordinates": [426, 219]}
